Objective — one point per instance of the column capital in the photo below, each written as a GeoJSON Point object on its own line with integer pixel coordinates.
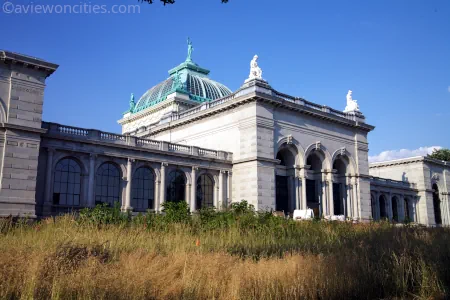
{"type": "Point", "coordinates": [223, 171]}
{"type": "Point", "coordinates": [230, 173]}
{"type": "Point", "coordinates": [92, 155]}
{"type": "Point", "coordinates": [51, 150]}
{"type": "Point", "coordinates": [194, 168]}
{"type": "Point", "coordinates": [164, 164]}
{"type": "Point", "coordinates": [131, 160]}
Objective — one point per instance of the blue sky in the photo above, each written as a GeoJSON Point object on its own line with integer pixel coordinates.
{"type": "Point", "coordinates": [394, 55]}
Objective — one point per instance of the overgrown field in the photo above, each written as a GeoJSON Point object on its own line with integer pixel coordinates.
{"type": "Point", "coordinates": [237, 254]}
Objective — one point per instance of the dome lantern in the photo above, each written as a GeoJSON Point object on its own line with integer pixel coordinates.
{"type": "Point", "coordinates": [187, 78]}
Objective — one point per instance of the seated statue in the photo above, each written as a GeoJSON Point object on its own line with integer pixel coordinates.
{"type": "Point", "coordinates": [255, 70]}
{"type": "Point", "coordinates": [352, 105]}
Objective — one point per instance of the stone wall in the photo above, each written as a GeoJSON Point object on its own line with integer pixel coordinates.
{"type": "Point", "coordinates": [22, 83]}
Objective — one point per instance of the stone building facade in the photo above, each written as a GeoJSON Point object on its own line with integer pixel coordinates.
{"type": "Point", "coordinates": [276, 151]}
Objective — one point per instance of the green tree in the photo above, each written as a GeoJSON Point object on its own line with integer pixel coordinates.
{"type": "Point", "coordinates": [441, 154]}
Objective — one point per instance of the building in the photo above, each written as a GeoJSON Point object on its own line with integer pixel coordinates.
{"type": "Point", "coordinates": [190, 138]}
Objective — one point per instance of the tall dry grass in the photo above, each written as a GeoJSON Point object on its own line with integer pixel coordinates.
{"type": "Point", "coordinates": [62, 258]}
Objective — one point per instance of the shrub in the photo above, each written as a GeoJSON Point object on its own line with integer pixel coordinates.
{"type": "Point", "coordinates": [176, 212]}
{"type": "Point", "coordinates": [103, 214]}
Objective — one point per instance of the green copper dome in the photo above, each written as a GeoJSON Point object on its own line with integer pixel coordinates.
{"type": "Point", "coordinates": [188, 78]}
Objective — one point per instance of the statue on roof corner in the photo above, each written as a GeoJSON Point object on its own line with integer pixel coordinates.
{"type": "Point", "coordinates": [190, 49]}
{"type": "Point", "coordinates": [255, 70]}
{"type": "Point", "coordinates": [352, 105]}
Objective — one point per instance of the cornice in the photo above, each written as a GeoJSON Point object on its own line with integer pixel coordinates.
{"type": "Point", "coordinates": [409, 160]}
{"type": "Point", "coordinates": [24, 128]}
{"type": "Point", "coordinates": [28, 62]}
{"type": "Point", "coordinates": [255, 158]}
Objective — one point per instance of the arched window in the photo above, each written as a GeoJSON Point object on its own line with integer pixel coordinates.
{"type": "Point", "coordinates": [176, 189]}
{"type": "Point", "coordinates": [143, 189]}
{"type": "Point", "coordinates": [107, 187]}
{"type": "Point", "coordinates": [340, 166]}
{"type": "Point", "coordinates": [395, 208]}
{"type": "Point", "coordinates": [315, 160]}
{"type": "Point", "coordinates": [67, 183]}
{"type": "Point", "coordinates": [437, 205]}
{"type": "Point", "coordinates": [382, 201]}
{"type": "Point", "coordinates": [205, 192]}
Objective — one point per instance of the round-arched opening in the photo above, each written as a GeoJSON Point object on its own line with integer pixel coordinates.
{"type": "Point", "coordinates": [67, 183]}
{"type": "Point", "coordinates": [284, 191]}
{"type": "Point", "coordinates": [286, 158]}
{"type": "Point", "coordinates": [395, 203]}
{"type": "Point", "coordinates": [340, 165]}
{"type": "Point", "coordinates": [315, 160]}
{"type": "Point", "coordinates": [437, 205]}
{"type": "Point", "coordinates": [382, 201]}
{"type": "Point", "coordinates": [176, 189]}
{"type": "Point", "coordinates": [143, 189]}
{"type": "Point", "coordinates": [107, 186]}
{"type": "Point", "coordinates": [205, 192]}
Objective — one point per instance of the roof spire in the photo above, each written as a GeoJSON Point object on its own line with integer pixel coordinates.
{"type": "Point", "coordinates": [190, 49]}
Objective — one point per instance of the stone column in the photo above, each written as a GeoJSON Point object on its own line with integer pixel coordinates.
{"type": "Point", "coordinates": [91, 189]}
{"type": "Point", "coordinates": [48, 182]}
{"type": "Point", "coordinates": [230, 191]}
{"type": "Point", "coordinates": [156, 195]}
{"type": "Point", "coordinates": [304, 200]}
{"type": "Point", "coordinates": [127, 205]}
{"type": "Point", "coordinates": [348, 190]}
{"type": "Point", "coordinates": [331, 197]}
{"type": "Point", "coordinates": [187, 193]}
{"type": "Point", "coordinates": [325, 204]}
{"type": "Point", "coordinates": [162, 194]}
{"type": "Point", "coordinates": [416, 214]}
{"type": "Point", "coordinates": [221, 189]}
{"type": "Point", "coordinates": [355, 199]}
{"type": "Point", "coordinates": [193, 205]}
{"type": "Point", "coordinates": [298, 192]}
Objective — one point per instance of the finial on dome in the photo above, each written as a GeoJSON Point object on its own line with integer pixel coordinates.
{"type": "Point", "coordinates": [190, 49]}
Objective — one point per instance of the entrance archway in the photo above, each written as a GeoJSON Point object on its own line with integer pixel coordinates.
{"type": "Point", "coordinates": [340, 165]}
{"type": "Point", "coordinates": [285, 194]}
{"type": "Point", "coordinates": [437, 205]}
{"type": "Point", "coordinates": [313, 184]}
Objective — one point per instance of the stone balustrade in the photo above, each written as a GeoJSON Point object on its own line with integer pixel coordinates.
{"type": "Point", "coordinates": [391, 182]}
{"type": "Point", "coordinates": [55, 130]}
{"type": "Point", "coordinates": [323, 108]}
{"type": "Point", "coordinates": [355, 116]}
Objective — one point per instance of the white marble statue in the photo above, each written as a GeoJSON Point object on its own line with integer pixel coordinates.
{"type": "Point", "coordinates": [255, 70]}
{"type": "Point", "coordinates": [351, 104]}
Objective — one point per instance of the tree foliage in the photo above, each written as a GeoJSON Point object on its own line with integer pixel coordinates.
{"type": "Point", "coordinates": [441, 154]}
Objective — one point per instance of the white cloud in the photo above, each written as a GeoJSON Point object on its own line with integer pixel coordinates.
{"type": "Point", "coordinates": [402, 153]}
